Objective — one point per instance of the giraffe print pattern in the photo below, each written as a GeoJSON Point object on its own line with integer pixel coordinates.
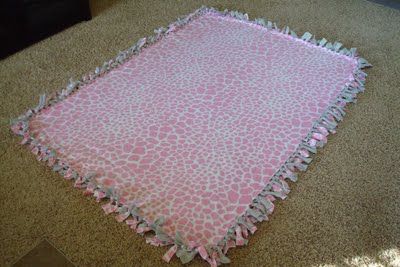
{"type": "Point", "coordinates": [194, 127]}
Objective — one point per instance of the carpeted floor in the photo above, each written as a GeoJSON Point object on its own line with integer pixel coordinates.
{"type": "Point", "coordinates": [344, 210]}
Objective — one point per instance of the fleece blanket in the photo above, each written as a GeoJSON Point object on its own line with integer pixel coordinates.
{"type": "Point", "coordinates": [192, 133]}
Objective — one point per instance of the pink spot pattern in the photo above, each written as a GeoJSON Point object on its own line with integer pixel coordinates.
{"type": "Point", "coordinates": [194, 126]}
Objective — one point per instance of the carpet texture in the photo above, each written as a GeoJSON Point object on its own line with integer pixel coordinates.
{"type": "Point", "coordinates": [344, 210]}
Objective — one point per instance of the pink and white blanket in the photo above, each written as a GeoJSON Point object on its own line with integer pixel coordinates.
{"type": "Point", "coordinates": [192, 133]}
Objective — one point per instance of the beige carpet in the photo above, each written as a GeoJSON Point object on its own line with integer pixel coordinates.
{"type": "Point", "coordinates": [344, 210]}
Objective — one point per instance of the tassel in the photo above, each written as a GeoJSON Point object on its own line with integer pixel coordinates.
{"type": "Point", "coordinates": [256, 213]}
{"type": "Point", "coordinates": [42, 102]}
{"type": "Point", "coordinates": [154, 241]}
{"type": "Point", "coordinates": [68, 174]}
{"type": "Point", "coordinates": [320, 138]}
{"type": "Point", "coordinates": [250, 226]}
{"type": "Point", "coordinates": [314, 41]}
{"type": "Point", "coordinates": [57, 167]}
{"type": "Point", "coordinates": [286, 30]}
{"type": "Point", "coordinates": [170, 253]}
{"type": "Point", "coordinates": [340, 110]}
{"type": "Point", "coordinates": [304, 159]}
{"type": "Point", "coordinates": [291, 175]}
{"type": "Point", "coordinates": [90, 189]}
{"type": "Point", "coordinates": [221, 257]}
{"type": "Point", "coordinates": [299, 166]}
{"type": "Point", "coordinates": [285, 186]}
{"type": "Point", "coordinates": [202, 252]}
{"type": "Point", "coordinates": [186, 256]}
{"type": "Point", "coordinates": [240, 241]}
{"type": "Point", "coordinates": [158, 222]}
{"type": "Point", "coordinates": [171, 28]}
{"type": "Point", "coordinates": [344, 51]}
{"type": "Point", "coordinates": [337, 116]}
{"type": "Point", "coordinates": [229, 244]}
{"type": "Point", "coordinates": [163, 236]}
{"type": "Point", "coordinates": [99, 195]}
{"type": "Point", "coordinates": [306, 36]}
{"type": "Point", "coordinates": [303, 152]}
{"type": "Point", "coordinates": [51, 162]}
{"type": "Point", "coordinates": [276, 187]}
{"type": "Point", "coordinates": [260, 21]}
{"type": "Point", "coordinates": [308, 147]}
{"type": "Point", "coordinates": [336, 46]}
{"type": "Point", "coordinates": [109, 208]}
{"type": "Point", "coordinates": [26, 139]}
{"type": "Point", "coordinates": [322, 130]}
{"type": "Point", "coordinates": [362, 63]}
{"type": "Point", "coordinates": [132, 223]}
{"type": "Point", "coordinates": [35, 151]}
{"type": "Point", "coordinates": [142, 228]}
{"type": "Point", "coordinates": [268, 205]}
{"type": "Point", "coordinates": [247, 223]}
{"type": "Point", "coordinates": [330, 125]}
{"type": "Point", "coordinates": [122, 216]}
{"type": "Point", "coordinates": [322, 42]}
{"type": "Point", "coordinates": [212, 262]}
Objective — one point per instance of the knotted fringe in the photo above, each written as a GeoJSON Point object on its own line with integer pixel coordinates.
{"type": "Point", "coordinates": [262, 205]}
